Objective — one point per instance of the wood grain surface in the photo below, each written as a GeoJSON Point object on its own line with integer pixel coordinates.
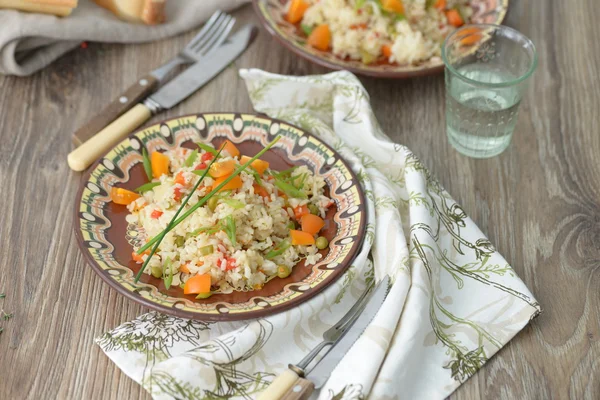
{"type": "Point", "coordinates": [538, 202]}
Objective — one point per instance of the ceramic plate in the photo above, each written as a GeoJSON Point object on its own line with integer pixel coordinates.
{"type": "Point", "coordinates": [272, 13]}
{"type": "Point", "coordinates": [106, 239]}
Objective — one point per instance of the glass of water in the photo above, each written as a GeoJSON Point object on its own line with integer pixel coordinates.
{"type": "Point", "coordinates": [487, 69]}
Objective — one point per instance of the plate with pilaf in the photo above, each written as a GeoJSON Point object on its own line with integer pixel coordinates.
{"type": "Point", "coordinates": [220, 216]}
{"type": "Point", "coordinates": [380, 38]}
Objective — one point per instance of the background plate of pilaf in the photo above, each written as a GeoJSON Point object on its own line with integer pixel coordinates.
{"type": "Point", "coordinates": [272, 15]}
{"type": "Point", "coordinates": [105, 239]}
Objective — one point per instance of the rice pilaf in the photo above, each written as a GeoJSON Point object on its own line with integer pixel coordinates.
{"type": "Point", "coordinates": [396, 31]}
{"type": "Point", "coordinates": [244, 235]}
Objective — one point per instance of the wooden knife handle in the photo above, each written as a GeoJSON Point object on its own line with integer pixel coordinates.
{"type": "Point", "coordinates": [83, 156]}
{"type": "Point", "coordinates": [288, 386]}
{"type": "Point", "coordinates": [133, 95]}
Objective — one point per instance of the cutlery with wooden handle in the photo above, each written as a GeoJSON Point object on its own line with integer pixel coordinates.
{"type": "Point", "coordinates": [297, 384]}
{"type": "Point", "coordinates": [212, 35]}
{"type": "Point", "coordinates": [168, 96]}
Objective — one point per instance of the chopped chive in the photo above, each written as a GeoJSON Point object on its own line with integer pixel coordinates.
{"type": "Point", "coordinates": [302, 178]}
{"type": "Point", "coordinates": [236, 204]}
{"type": "Point", "coordinates": [207, 229]}
{"type": "Point", "coordinates": [307, 29]}
{"type": "Point", "coordinates": [191, 158]}
{"type": "Point", "coordinates": [288, 171]}
{"type": "Point", "coordinates": [207, 148]}
{"type": "Point", "coordinates": [290, 190]}
{"type": "Point", "coordinates": [147, 186]}
{"type": "Point", "coordinates": [278, 250]}
{"type": "Point", "coordinates": [229, 228]}
{"type": "Point", "coordinates": [147, 164]}
{"type": "Point", "coordinates": [199, 172]}
{"type": "Point", "coordinates": [200, 203]}
{"type": "Point", "coordinates": [2, 295]}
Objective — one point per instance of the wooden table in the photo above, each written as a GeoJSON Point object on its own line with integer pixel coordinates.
{"type": "Point", "coordinates": [538, 202]}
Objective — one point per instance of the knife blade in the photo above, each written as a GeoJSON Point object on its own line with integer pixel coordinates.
{"type": "Point", "coordinates": [292, 385]}
{"type": "Point", "coordinates": [166, 97]}
{"type": "Point", "coordinates": [323, 369]}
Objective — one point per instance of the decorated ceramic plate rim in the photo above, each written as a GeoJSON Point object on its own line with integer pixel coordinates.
{"type": "Point", "coordinates": [326, 271]}
{"type": "Point", "coordinates": [328, 60]}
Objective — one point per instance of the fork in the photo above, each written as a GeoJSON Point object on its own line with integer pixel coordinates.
{"type": "Point", "coordinates": [211, 36]}
{"type": "Point", "coordinates": [333, 333]}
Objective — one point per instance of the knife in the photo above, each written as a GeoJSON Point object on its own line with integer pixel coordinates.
{"type": "Point", "coordinates": [168, 96]}
{"type": "Point", "coordinates": [295, 383]}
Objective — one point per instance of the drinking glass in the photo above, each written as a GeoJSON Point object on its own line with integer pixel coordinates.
{"type": "Point", "coordinates": [487, 69]}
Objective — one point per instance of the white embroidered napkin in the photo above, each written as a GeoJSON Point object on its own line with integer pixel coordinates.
{"type": "Point", "coordinates": [454, 303]}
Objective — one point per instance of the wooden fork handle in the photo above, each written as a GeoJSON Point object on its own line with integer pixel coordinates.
{"type": "Point", "coordinates": [288, 386]}
{"type": "Point", "coordinates": [130, 97]}
{"type": "Point", "coordinates": [301, 390]}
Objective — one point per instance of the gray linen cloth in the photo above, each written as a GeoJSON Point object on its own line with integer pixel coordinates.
{"type": "Point", "coordinates": [29, 41]}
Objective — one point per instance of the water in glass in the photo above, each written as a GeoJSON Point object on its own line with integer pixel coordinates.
{"type": "Point", "coordinates": [480, 120]}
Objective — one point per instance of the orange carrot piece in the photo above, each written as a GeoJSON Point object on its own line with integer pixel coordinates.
{"type": "Point", "coordinates": [469, 31]}
{"type": "Point", "coordinates": [177, 194]}
{"type": "Point", "coordinates": [471, 39]}
{"type": "Point", "coordinates": [296, 11]}
{"type": "Point", "coordinates": [300, 211]}
{"type": "Point", "coordinates": [454, 18]}
{"type": "Point", "coordinates": [235, 183]}
{"type": "Point", "coordinates": [469, 36]}
{"type": "Point", "coordinates": [259, 165]}
{"type": "Point", "coordinates": [160, 164]}
{"type": "Point", "coordinates": [197, 284]}
{"type": "Point", "coordinates": [356, 27]}
{"type": "Point", "coordinates": [301, 238]}
{"type": "Point", "coordinates": [320, 37]}
{"type": "Point", "coordinates": [184, 268]}
{"type": "Point", "coordinates": [261, 191]}
{"type": "Point", "coordinates": [179, 178]}
{"type": "Point", "coordinates": [395, 6]}
{"type": "Point", "coordinates": [440, 4]}
{"type": "Point", "coordinates": [122, 196]}
{"type": "Point", "coordinates": [137, 257]}
{"type": "Point", "coordinates": [312, 224]}
{"type": "Point", "coordinates": [222, 168]}
{"type": "Point", "coordinates": [386, 50]}
{"type": "Point", "coordinates": [156, 214]}
{"type": "Point", "coordinates": [231, 149]}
